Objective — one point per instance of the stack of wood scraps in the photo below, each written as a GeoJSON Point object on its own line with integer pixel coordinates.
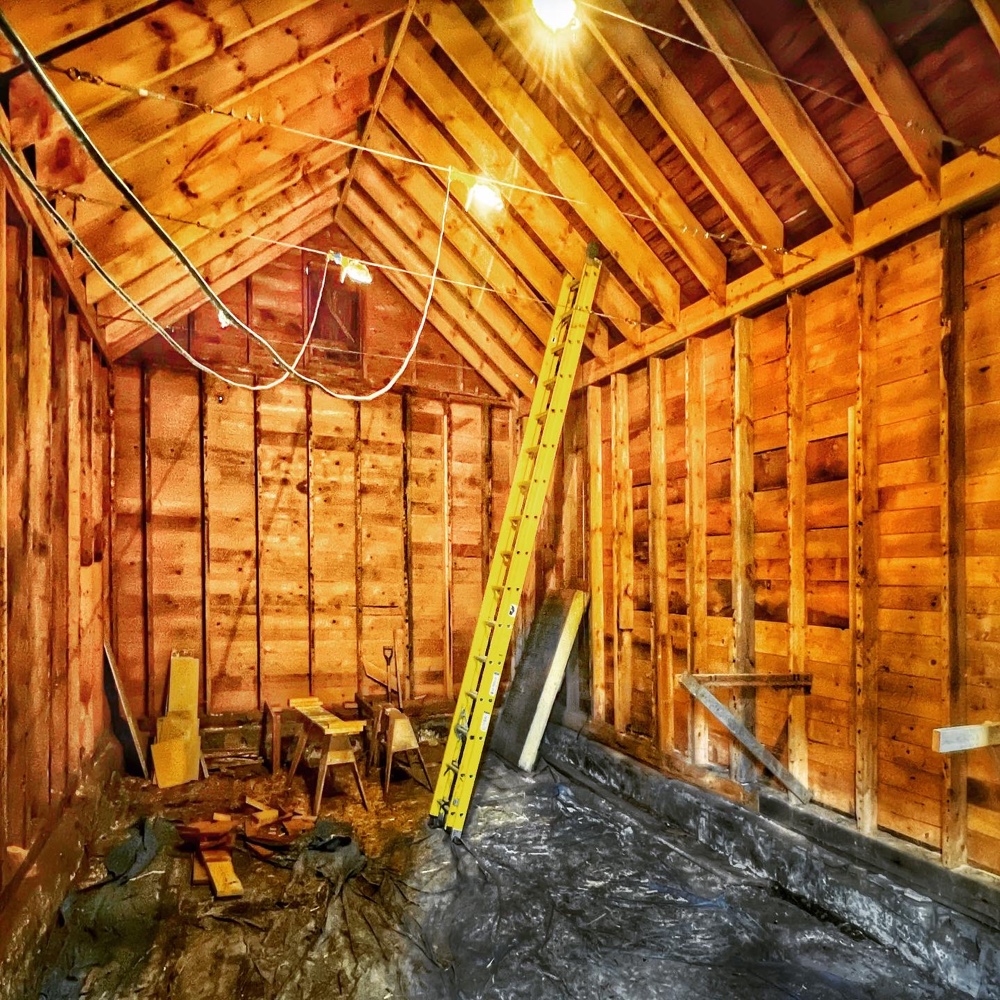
{"type": "Point", "coordinates": [265, 830]}
{"type": "Point", "coordinates": [177, 750]}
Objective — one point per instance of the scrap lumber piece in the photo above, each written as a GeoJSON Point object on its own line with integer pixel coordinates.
{"type": "Point", "coordinates": [798, 681]}
{"type": "Point", "coordinates": [221, 874]}
{"type": "Point", "coordinates": [177, 751]}
{"type": "Point", "coordinates": [955, 739]}
{"type": "Point", "coordinates": [539, 676]}
{"type": "Point", "coordinates": [752, 745]}
{"type": "Point", "coordinates": [126, 711]}
{"type": "Point", "coordinates": [199, 873]}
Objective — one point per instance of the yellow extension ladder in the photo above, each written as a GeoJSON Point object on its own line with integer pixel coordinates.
{"type": "Point", "coordinates": [494, 629]}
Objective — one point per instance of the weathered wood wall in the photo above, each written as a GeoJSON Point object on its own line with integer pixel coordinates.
{"type": "Point", "coordinates": [55, 483]}
{"type": "Point", "coordinates": [869, 550]}
{"type": "Point", "coordinates": [285, 537]}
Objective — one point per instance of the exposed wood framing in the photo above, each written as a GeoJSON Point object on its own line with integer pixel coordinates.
{"type": "Point", "coordinates": [954, 607]}
{"type": "Point", "coordinates": [887, 84]}
{"type": "Point", "coordinates": [595, 556]}
{"type": "Point", "coordinates": [610, 136]}
{"type": "Point", "coordinates": [795, 355]}
{"type": "Point", "coordinates": [958, 739]}
{"type": "Point", "coordinates": [663, 94]}
{"type": "Point", "coordinates": [697, 553]}
{"type": "Point", "coordinates": [741, 481]}
{"type": "Point", "coordinates": [989, 14]}
{"type": "Point", "coordinates": [5, 673]}
{"type": "Point", "coordinates": [540, 139]}
{"type": "Point", "coordinates": [623, 559]}
{"type": "Point", "coordinates": [772, 100]}
{"type": "Point", "coordinates": [863, 526]}
{"type": "Point", "coordinates": [485, 148]}
{"type": "Point", "coordinates": [661, 645]}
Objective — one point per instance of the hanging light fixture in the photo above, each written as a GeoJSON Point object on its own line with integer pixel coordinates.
{"type": "Point", "coordinates": [484, 197]}
{"type": "Point", "coordinates": [355, 270]}
{"type": "Point", "coordinates": [555, 14]}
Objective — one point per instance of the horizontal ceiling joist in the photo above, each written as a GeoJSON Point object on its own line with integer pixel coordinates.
{"type": "Point", "coordinates": [540, 139]}
{"type": "Point", "coordinates": [769, 96]}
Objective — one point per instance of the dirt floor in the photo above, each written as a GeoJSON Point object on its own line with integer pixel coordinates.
{"type": "Point", "coordinates": [553, 892]}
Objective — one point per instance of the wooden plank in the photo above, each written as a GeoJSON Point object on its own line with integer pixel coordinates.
{"type": "Point", "coordinates": [595, 555]}
{"type": "Point", "coordinates": [864, 552]}
{"type": "Point", "coordinates": [957, 739]}
{"type": "Point", "coordinates": [795, 360]}
{"type": "Point", "coordinates": [126, 709]}
{"type": "Point", "coordinates": [540, 139]}
{"type": "Point", "coordinates": [728, 35]}
{"type": "Point", "coordinates": [484, 147]}
{"type": "Point", "coordinates": [757, 680]}
{"type": "Point", "coordinates": [697, 548]}
{"type": "Point", "coordinates": [661, 648]}
{"type": "Point", "coordinates": [663, 93]}
{"type": "Point", "coordinates": [5, 673]}
{"type": "Point", "coordinates": [623, 558]}
{"type": "Point", "coordinates": [37, 732]}
{"type": "Point", "coordinates": [954, 606]}
{"type": "Point", "coordinates": [71, 363]}
{"type": "Point", "coordinates": [597, 118]}
{"type": "Point", "coordinates": [753, 746]}
{"type": "Point", "coordinates": [888, 85]}
{"type": "Point", "coordinates": [989, 14]}
{"type": "Point", "coordinates": [744, 706]}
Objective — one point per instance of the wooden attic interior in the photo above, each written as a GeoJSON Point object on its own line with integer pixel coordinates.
{"type": "Point", "coordinates": [778, 459]}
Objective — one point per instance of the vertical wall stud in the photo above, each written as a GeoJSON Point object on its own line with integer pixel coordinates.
{"type": "Point", "coordinates": [954, 805]}
{"type": "Point", "coordinates": [623, 564]}
{"type": "Point", "coordinates": [742, 768]}
{"type": "Point", "coordinates": [795, 359]}
{"type": "Point", "coordinates": [661, 646]}
{"type": "Point", "coordinates": [697, 557]}
{"type": "Point", "coordinates": [595, 554]}
{"type": "Point", "coordinates": [864, 553]}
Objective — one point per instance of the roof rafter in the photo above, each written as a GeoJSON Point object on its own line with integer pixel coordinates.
{"type": "Point", "coordinates": [665, 97]}
{"type": "Point", "coordinates": [887, 84]}
{"type": "Point", "coordinates": [543, 143]}
{"type": "Point", "coordinates": [611, 138]}
{"type": "Point", "coordinates": [484, 147]}
{"type": "Point", "coordinates": [989, 15]}
{"type": "Point", "coordinates": [730, 38]}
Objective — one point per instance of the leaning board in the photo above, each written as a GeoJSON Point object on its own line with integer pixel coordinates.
{"type": "Point", "coordinates": [539, 676]}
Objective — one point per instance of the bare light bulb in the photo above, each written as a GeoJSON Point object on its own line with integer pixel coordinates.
{"type": "Point", "coordinates": [355, 270]}
{"type": "Point", "coordinates": [484, 197]}
{"type": "Point", "coordinates": [555, 14]}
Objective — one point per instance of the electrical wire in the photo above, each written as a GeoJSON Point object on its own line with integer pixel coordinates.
{"type": "Point", "coordinates": [224, 311]}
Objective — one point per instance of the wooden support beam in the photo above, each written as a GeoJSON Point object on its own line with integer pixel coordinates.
{"type": "Point", "coordinates": [595, 555]}
{"type": "Point", "coordinates": [753, 746]}
{"type": "Point", "coordinates": [595, 116]}
{"type": "Point", "coordinates": [744, 655]}
{"type": "Point", "coordinates": [864, 541]}
{"type": "Point", "coordinates": [373, 114]}
{"type": "Point", "coordinates": [71, 362]}
{"type": "Point", "coordinates": [453, 331]}
{"type": "Point", "coordinates": [795, 361]}
{"type": "Point", "coordinates": [422, 231]}
{"type": "Point", "coordinates": [695, 516]}
{"type": "Point", "coordinates": [758, 680]}
{"type": "Point", "coordinates": [887, 84]}
{"type": "Point", "coordinates": [487, 338]}
{"type": "Point", "coordinates": [623, 558]}
{"type": "Point", "coordinates": [680, 116]}
{"type": "Point", "coordinates": [542, 142]}
{"type": "Point", "coordinates": [954, 605]}
{"type": "Point", "coordinates": [989, 14]}
{"type": "Point", "coordinates": [483, 147]}
{"type": "Point", "coordinates": [5, 706]}
{"type": "Point", "coordinates": [958, 739]}
{"type": "Point", "coordinates": [730, 38]}
{"type": "Point", "coordinates": [461, 229]}
{"type": "Point", "coordinates": [965, 181]}
{"type": "Point", "coordinates": [661, 643]}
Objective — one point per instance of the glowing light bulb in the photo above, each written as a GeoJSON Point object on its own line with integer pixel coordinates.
{"type": "Point", "coordinates": [356, 271]}
{"type": "Point", "coordinates": [484, 197]}
{"type": "Point", "coordinates": [555, 14]}
{"type": "Point", "coordinates": [223, 320]}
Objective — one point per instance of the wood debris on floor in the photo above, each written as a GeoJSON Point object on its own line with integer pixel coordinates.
{"type": "Point", "coordinates": [263, 830]}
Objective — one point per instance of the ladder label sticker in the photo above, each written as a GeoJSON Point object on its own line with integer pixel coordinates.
{"type": "Point", "coordinates": [484, 722]}
{"type": "Point", "coordinates": [494, 685]}
{"type": "Point", "coordinates": [513, 610]}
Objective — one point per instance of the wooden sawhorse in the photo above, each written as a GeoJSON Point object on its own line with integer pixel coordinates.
{"type": "Point", "coordinates": [334, 735]}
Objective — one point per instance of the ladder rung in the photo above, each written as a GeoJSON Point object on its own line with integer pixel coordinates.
{"type": "Point", "coordinates": [480, 659]}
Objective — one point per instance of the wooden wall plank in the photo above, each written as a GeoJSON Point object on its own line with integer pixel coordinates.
{"type": "Point", "coordinates": [659, 558]}
{"type": "Point", "coordinates": [283, 544]}
{"type": "Point", "coordinates": [623, 562]}
{"type": "Point", "coordinates": [230, 513]}
{"type": "Point", "coordinates": [4, 551]}
{"type": "Point", "coordinates": [71, 363]}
